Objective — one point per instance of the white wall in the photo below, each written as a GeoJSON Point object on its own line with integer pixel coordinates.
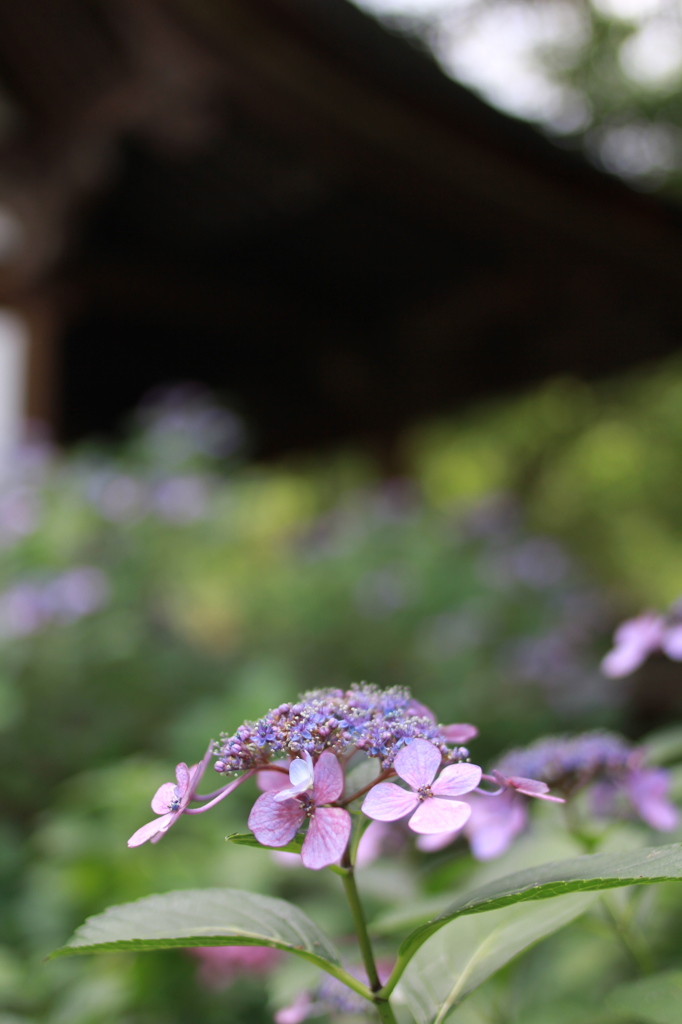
{"type": "Point", "coordinates": [13, 378]}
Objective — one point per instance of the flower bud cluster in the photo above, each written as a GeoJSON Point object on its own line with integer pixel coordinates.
{"type": "Point", "coordinates": [377, 722]}
{"type": "Point", "coordinates": [571, 762]}
{"type": "Point", "coordinates": [612, 768]}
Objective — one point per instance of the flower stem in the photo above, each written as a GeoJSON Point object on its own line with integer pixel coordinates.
{"type": "Point", "coordinates": [619, 921]}
{"type": "Point", "coordinates": [386, 774]}
{"type": "Point", "coordinates": [381, 1003]}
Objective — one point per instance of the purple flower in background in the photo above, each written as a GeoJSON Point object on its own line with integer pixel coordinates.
{"type": "Point", "coordinates": [634, 641]}
{"type": "Point", "coordinates": [647, 790]}
{"type": "Point", "coordinates": [27, 606]}
{"type": "Point", "coordinates": [529, 787]}
{"type": "Point", "coordinates": [277, 816]}
{"type": "Point", "coordinates": [603, 761]}
{"type": "Point", "coordinates": [119, 497]}
{"type": "Point", "coordinates": [219, 966]}
{"type": "Point", "coordinates": [181, 499]}
{"type": "Point", "coordinates": [431, 802]}
{"type": "Point", "coordinates": [76, 593]}
{"type": "Point", "coordinates": [19, 513]}
{"type": "Point", "coordinates": [331, 997]}
{"type": "Point", "coordinates": [22, 610]}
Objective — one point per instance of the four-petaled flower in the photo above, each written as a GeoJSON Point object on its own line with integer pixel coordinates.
{"type": "Point", "coordinates": [170, 801]}
{"type": "Point", "coordinates": [277, 816]}
{"type": "Point", "coordinates": [431, 802]}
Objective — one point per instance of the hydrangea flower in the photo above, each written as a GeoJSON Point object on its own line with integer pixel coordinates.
{"type": "Point", "coordinates": [277, 815]}
{"type": "Point", "coordinates": [431, 801]}
{"type": "Point", "coordinates": [603, 761]}
{"type": "Point", "coordinates": [219, 966]}
{"type": "Point", "coordinates": [377, 722]}
{"type": "Point", "coordinates": [492, 827]}
{"type": "Point", "coordinates": [331, 996]}
{"type": "Point", "coordinates": [633, 642]}
{"type": "Point", "coordinates": [172, 799]}
{"type": "Point", "coordinates": [636, 639]}
{"type": "Point", "coordinates": [169, 801]}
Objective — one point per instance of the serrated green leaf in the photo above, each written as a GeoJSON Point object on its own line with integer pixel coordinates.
{"type": "Point", "coordinates": [447, 968]}
{"type": "Point", "coordinates": [656, 999]}
{"type": "Point", "coordinates": [531, 849]}
{"type": "Point", "coordinates": [588, 873]}
{"type": "Point", "coordinates": [207, 917]}
{"type": "Point", "coordinates": [248, 839]}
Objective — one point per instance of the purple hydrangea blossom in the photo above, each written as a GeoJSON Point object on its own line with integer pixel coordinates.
{"type": "Point", "coordinates": [219, 966]}
{"type": "Point", "coordinates": [298, 753]}
{"type": "Point", "coordinates": [431, 802]}
{"type": "Point", "coordinates": [606, 762]}
{"type": "Point", "coordinates": [331, 997]}
{"type": "Point", "coordinates": [29, 606]}
{"type": "Point", "coordinates": [277, 815]}
{"type": "Point", "coordinates": [636, 639]}
{"type": "Point", "coordinates": [633, 642]}
{"type": "Point", "coordinates": [377, 722]}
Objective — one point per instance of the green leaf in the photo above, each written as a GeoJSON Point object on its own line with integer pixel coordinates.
{"type": "Point", "coordinates": [663, 745]}
{"type": "Point", "coordinates": [537, 847]}
{"type": "Point", "coordinates": [578, 874]}
{"type": "Point", "coordinates": [464, 954]}
{"type": "Point", "coordinates": [655, 999]}
{"type": "Point", "coordinates": [248, 839]}
{"type": "Point", "coordinates": [207, 917]}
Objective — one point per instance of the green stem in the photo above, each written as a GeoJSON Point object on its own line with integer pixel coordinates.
{"type": "Point", "coordinates": [621, 925]}
{"type": "Point", "coordinates": [380, 1001]}
{"type": "Point", "coordinates": [387, 774]}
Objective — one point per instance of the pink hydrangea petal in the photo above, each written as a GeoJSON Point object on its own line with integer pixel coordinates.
{"type": "Point", "coordinates": [431, 843]}
{"type": "Point", "coordinates": [417, 763]}
{"type": "Point", "coordinates": [648, 792]}
{"type": "Point", "coordinates": [275, 824]}
{"type": "Point", "coordinates": [494, 824]}
{"type": "Point", "coordinates": [297, 1012]}
{"type": "Point", "coordinates": [183, 775]}
{"type": "Point", "coordinates": [634, 641]}
{"type": "Point", "coordinates": [458, 732]}
{"type": "Point", "coordinates": [273, 782]}
{"type": "Point", "coordinates": [672, 642]}
{"type": "Point", "coordinates": [421, 711]}
{"type": "Point", "coordinates": [148, 831]}
{"type": "Point", "coordinates": [369, 847]}
{"type": "Point", "coordinates": [388, 802]}
{"type": "Point", "coordinates": [457, 779]}
{"type": "Point", "coordinates": [533, 787]}
{"type": "Point", "coordinates": [328, 779]}
{"type": "Point", "coordinates": [434, 815]}
{"type": "Point", "coordinates": [327, 837]}
{"type": "Point", "coordinates": [164, 797]}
